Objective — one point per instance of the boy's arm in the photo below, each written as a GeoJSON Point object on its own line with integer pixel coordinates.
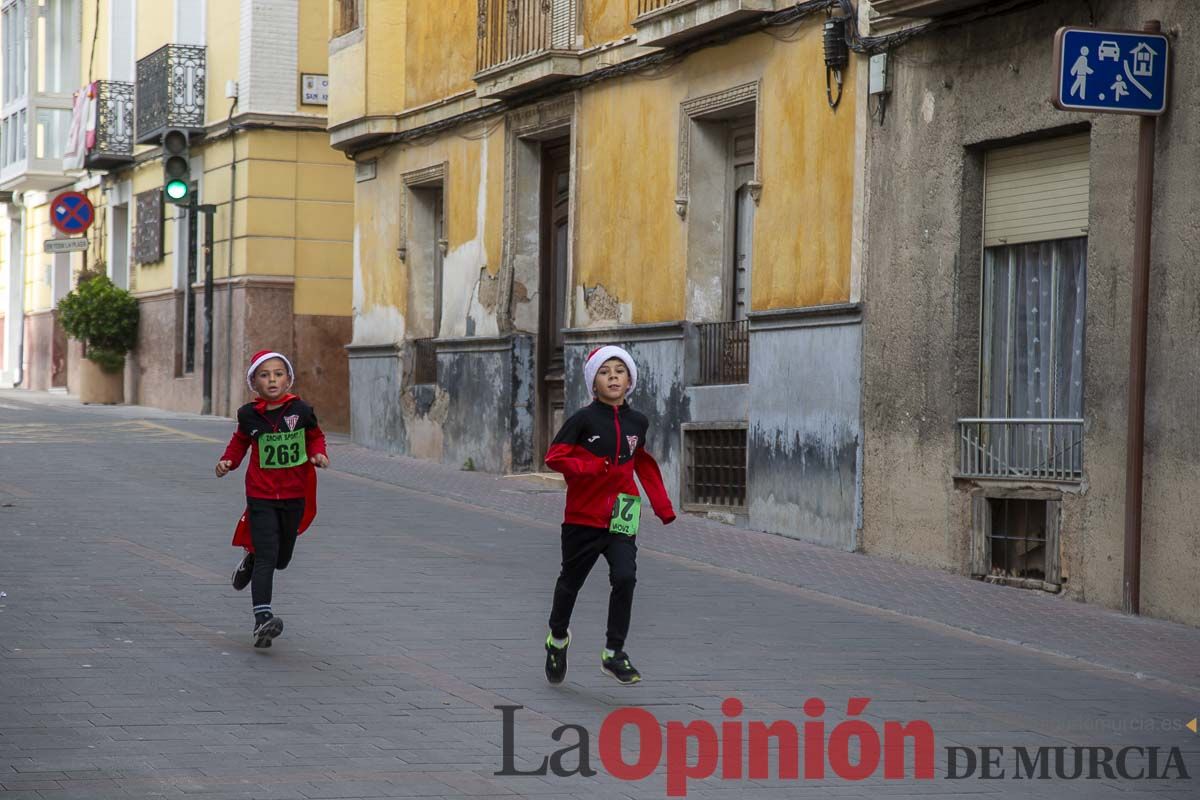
{"type": "Point", "coordinates": [314, 441]}
{"type": "Point", "coordinates": [314, 437]}
{"type": "Point", "coordinates": [575, 462]}
{"type": "Point", "coordinates": [235, 451]}
{"type": "Point", "coordinates": [568, 457]}
{"type": "Point", "coordinates": [651, 477]}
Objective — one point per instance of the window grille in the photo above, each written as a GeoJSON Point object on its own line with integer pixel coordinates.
{"type": "Point", "coordinates": [724, 352]}
{"type": "Point", "coordinates": [425, 366]}
{"type": "Point", "coordinates": [716, 467]}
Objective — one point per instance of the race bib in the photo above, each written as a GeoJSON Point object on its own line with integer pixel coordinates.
{"type": "Point", "coordinates": [627, 514]}
{"type": "Point", "coordinates": [282, 450]}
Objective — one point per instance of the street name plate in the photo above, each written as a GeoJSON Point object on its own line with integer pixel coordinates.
{"type": "Point", "coordinates": [65, 245]}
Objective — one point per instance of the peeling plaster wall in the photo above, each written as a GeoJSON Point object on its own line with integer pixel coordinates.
{"type": "Point", "coordinates": [805, 436]}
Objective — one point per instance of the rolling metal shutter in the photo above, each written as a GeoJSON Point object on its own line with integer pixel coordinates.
{"type": "Point", "coordinates": [1037, 191]}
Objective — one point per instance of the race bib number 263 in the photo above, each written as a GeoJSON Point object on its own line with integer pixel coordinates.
{"type": "Point", "coordinates": [282, 450]}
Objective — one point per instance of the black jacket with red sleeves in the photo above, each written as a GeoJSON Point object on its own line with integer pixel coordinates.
{"type": "Point", "coordinates": [598, 451]}
{"type": "Point", "coordinates": [253, 421]}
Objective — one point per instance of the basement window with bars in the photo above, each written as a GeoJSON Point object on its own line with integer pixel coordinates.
{"type": "Point", "coordinates": [1017, 541]}
{"type": "Point", "coordinates": [715, 467]}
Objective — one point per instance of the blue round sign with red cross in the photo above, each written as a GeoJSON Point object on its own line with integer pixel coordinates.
{"type": "Point", "coordinates": [72, 212]}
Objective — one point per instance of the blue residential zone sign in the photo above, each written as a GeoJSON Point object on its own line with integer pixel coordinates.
{"type": "Point", "coordinates": [1122, 72]}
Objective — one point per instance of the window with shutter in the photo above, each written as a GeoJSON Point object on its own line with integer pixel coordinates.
{"type": "Point", "coordinates": [563, 23]}
{"type": "Point", "coordinates": [1037, 192]}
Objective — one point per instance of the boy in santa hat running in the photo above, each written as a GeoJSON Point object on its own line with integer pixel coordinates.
{"type": "Point", "coordinates": [280, 430]}
{"type": "Point", "coordinates": [598, 451]}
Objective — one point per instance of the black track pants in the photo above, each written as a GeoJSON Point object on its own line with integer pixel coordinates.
{"type": "Point", "coordinates": [581, 547]}
{"type": "Point", "coordinates": [273, 529]}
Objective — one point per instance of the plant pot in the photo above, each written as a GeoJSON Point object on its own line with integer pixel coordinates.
{"type": "Point", "coordinates": [98, 386]}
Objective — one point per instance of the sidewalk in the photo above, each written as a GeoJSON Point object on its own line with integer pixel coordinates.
{"type": "Point", "coordinates": [1141, 647]}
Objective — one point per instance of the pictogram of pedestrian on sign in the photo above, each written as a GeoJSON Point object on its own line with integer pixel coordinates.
{"type": "Point", "coordinates": [1081, 70]}
{"type": "Point", "coordinates": [1119, 87]}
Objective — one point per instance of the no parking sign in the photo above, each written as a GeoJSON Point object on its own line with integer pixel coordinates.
{"type": "Point", "coordinates": [72, 212]}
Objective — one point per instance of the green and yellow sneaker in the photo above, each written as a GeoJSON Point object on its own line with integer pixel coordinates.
{"type": "Point", "coordinates": [556, 659]}
{"type": "Point", "coordinates": [618, 666]}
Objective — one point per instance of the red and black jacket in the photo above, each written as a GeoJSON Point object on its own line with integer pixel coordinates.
{"type": "Point", "coordinates": [254, 420]}
{"type": "Point", "coordinates": [598, 451]}
{"type": "Point", "coordinates": [276, 484]}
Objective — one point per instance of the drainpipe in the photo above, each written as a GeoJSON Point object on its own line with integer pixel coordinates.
{"type": "Point", "coordinates": [229, 263]}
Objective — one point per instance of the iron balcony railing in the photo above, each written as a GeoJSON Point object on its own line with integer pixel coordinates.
{"type": "Point", "coordinates": [724, 352]}
{"type": "Point", "coordinates": [511, 31]}
{"type": "Point", "coordinates": [646, 6]}
{"type": "Point", "coordinates": [170, 91]}
{"type": "Point", "coordinates": [114, 125]}
{"type": "Point", "coordinates": [1021, 449]}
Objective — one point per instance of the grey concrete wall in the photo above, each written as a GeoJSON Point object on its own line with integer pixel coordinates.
{"type": "Point", "coordinates": [804, 436]}
{"type": "Point", "coordinates": [477, 374]}
{"type": "Point", "coordinates": [957, 92]}
{"type": "Point", "coordinates": [375, 410]}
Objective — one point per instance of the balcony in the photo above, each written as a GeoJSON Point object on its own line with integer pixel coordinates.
{"type": "Point", "coordinates": [524, 45]}
{"type": "Point", "coordinates": [39, 65]}
{"type": "Point", "coordinates": [724, 349]}
{"type": "Point", "coordinates": [1044, 450]}
{"type": "Point", "coordinates": [661, 23]}
{"type": "Point", "coordinates": [922, 8]}
{"type": "Point", "coordinates": [170, 91]}
{"type": "Point", "coordinates": [886, 16]}
{"type": "Point", "coordinates": [114, 126]}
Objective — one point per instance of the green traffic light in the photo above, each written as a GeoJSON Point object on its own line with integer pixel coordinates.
{"type": "Point", "coordinates": [177, 190]}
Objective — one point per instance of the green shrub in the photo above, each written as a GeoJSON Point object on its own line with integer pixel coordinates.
{"type": "Point", "coordinates": [103, 317]}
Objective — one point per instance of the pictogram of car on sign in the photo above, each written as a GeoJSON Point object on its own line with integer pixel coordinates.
{"type": "Point", "coordinates": [1109, 50]}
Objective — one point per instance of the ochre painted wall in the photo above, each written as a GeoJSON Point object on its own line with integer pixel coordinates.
{"type": "Point", "coordinates": [803, 226]}
{"type": "Point", "coordinates": [627, 227]}
{"type": "Point", "coordinates": [384, 61]}
{"type": "Point", "coordinates": [606, 20]}
{"type": "Point", "coordinates": [221, 58]}
{"type": "Point", "coordinates": [440, 52]}
{"type": "Point", "coordinates": [474, 196]}
{"type": "Point", "coordinates": [628, 236]}
{"type": "Point", "coordinates": [347, 84]}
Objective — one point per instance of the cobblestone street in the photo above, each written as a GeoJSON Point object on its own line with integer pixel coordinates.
{"type": "Point", "coordinates": [417, 603]}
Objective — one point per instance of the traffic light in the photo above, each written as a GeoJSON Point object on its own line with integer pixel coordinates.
{"type": "Point", "coordinates": [177, 167]}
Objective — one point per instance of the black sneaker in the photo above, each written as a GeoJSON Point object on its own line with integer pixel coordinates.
{"type": "Point", "coordinates": [241, 575]}
{"type": "Point", "coordinates": [266, 630]}
{"type": "Point", "coordinates": [619, 667]}
{"type": "Point", "coordinates": [556, 659]}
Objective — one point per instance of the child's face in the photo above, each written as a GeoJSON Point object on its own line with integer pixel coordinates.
{"type": "Point", "coordinates": [271, 379]}
{"type": "Point", "coordinates": [612, 382]}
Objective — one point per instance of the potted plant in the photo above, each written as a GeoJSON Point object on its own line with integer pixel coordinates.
{"type": "Point", "coordinates": [104, 318]}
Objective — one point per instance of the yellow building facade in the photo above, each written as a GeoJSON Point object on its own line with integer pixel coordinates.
{"type": "Point", "coordinates": [248, 83]}
{"type": "Point", "coordinates": [536, 179]}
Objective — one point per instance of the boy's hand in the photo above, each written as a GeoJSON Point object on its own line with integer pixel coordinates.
{"type": "Point", "coordinates": [223, 468]}
{"type": "Point", "coordinates": [321, 460]}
